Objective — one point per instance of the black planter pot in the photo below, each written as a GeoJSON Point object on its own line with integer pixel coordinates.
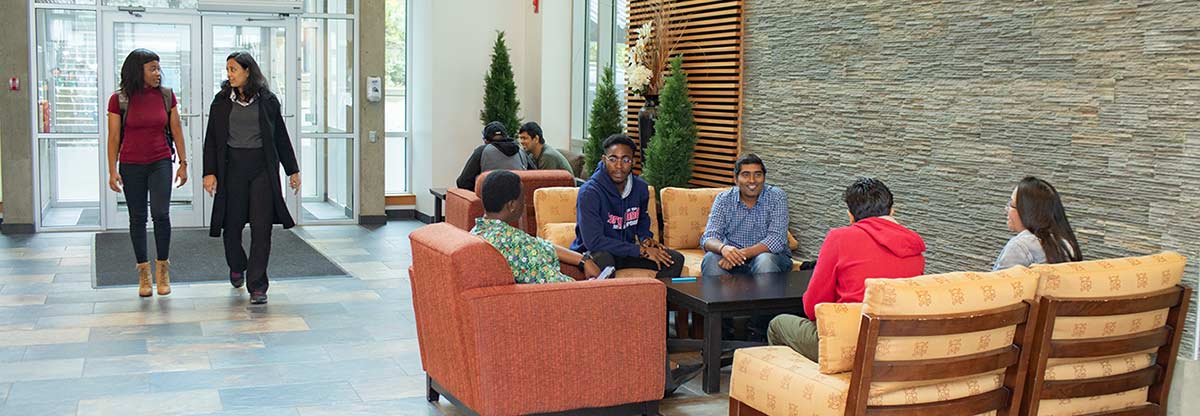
{"type": "Point", "coordinates": [646, 119]}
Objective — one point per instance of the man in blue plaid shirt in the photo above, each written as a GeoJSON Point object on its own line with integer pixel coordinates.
{"type": "Point", "coordinates": [747, 228]}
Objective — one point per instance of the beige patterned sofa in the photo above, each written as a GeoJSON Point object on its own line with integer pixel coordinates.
{"type": "Point", "coordinates": [1075, 346]}
{"type": "Point", "coordinates": [971, 366]}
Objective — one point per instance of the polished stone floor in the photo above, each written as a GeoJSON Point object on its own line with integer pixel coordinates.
{"type": "Point", "coordinates": [320, 347]}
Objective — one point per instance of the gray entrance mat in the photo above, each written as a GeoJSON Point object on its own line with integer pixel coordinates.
{"type": "Point", "coordinates": [196, 257]}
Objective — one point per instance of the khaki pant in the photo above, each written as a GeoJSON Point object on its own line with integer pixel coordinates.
{"type": "Point", "coordinates": [796, 332]}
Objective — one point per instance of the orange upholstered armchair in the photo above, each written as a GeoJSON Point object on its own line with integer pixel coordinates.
{"type": "Point", "coordinates": [499, 348]}
{"type": "Point", "coordinates": [463, 206]}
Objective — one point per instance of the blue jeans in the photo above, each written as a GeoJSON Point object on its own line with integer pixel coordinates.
{"type": "Point", "coordinates": [762, 263]}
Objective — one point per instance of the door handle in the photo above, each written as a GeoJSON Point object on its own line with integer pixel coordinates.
{"type": "Point", "coordinates": [289, 115]}
{"type": "Point", "coordinates": [189, 115]}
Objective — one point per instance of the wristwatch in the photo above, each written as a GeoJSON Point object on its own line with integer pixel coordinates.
{"type": "Point", "coordinates": [583, 260]}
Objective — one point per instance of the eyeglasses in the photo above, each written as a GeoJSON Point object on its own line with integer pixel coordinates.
{"type": "Point", "coordinates": [613, 159]}
{"type": "Point", "coordinates": [1009, 205]}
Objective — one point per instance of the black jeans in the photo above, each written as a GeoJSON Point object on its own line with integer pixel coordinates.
{"type": "Point", "coordinates": [605, 259]}
{"type": "Point", "coordinates": [248, 198]}
{"type": "Point", "coordinates": [153, 179]}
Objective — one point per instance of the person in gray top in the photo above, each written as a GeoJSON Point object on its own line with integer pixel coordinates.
{"type": "Point", "coordinates": [1044, 235]}
{"type": "Point", "coordinates": [244, 131]}
{"type": "Point", "coordinates": [498, 151]}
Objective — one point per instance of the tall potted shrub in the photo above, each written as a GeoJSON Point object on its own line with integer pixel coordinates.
{"type": "Point", "coordinates": [605, 120]}
{"type": "Point", "coordinates": [668, 161]}
{"type": "Point", "coordinates": [500, 101]}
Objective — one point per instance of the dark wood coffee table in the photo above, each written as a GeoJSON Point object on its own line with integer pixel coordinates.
{"type": "Point", "coordinates": [734, 295]}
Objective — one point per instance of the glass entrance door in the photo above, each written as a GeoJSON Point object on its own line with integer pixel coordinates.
{"type": "Point", "coordinates": [172, 37]}
{"type": "Point", "coordinates": [271, 41]}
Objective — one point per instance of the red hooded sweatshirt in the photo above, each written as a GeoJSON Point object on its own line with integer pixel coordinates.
{"type": "Point", "coordinates": [872, 248]}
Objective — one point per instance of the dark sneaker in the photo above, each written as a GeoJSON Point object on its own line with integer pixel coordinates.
{"type": "Point", "coordinates": [258, 298]}
{"type": "Point", "coordinates": [237, 279]}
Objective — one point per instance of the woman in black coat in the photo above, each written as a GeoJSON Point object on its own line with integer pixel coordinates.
{"type": "Point", "coordinates": [244, 146]}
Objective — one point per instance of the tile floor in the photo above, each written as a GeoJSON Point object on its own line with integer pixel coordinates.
{"type": "Point", "coordinates": [320, 347]}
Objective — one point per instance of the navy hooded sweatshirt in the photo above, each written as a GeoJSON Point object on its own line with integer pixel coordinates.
{"type": "Point", "coordinates": [604, 222]}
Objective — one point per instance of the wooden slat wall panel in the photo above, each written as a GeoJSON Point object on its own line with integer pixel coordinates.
{"type": "Point", "coordinates": [712, 48]}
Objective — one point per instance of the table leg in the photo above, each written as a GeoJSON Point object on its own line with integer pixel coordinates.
{"type": "Point", "coordinates": [437, 210]}
{"type": "Point", "coordinates": [712, 352]}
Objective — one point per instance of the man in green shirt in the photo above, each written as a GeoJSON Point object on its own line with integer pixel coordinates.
{"type": "Point", "coordinates": [545, 157]}
{"type": "Point", "coordinates": [536, 260]}
{"type": "Point", "coordinates": [532, 259]}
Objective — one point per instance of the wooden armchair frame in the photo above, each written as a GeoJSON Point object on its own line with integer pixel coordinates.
{"type": "Point", "coordinates": [1157, 376]}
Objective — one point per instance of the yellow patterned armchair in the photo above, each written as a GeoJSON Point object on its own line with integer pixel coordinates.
{"type": "Point", "coordinates": [1109, 334]}
{"type": "Point", "coordinates": [685, 216]}
{"type": "Point", "coordinates": [949, 344]}
{"type": "Point", "coordinates": [554, 208]}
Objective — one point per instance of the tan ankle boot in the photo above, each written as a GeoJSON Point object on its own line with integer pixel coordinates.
{"type": "Point", "coordinates": [144, 289]}
{"type": "Point", "coordinates": [162, 276]}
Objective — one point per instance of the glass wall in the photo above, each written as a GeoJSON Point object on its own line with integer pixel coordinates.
{"type": "Point", "coordinates": [68, 116]}
{"type": "Point", "coordinates": [329, 6]}
{"type": "Point", "coordinates": [395, 90]}
{"type": "Point", "coordinates": [67, 67]}
{"type": "Point", "coordinates": [174, 4]}
{"type": "Point", "coordinates": [326, 148]}
{"type": "Point", "coordinates": [266, 44]}
{"type": "Point", "coordinates": [620, 28]}
{"type": "Point", "coordinates": [591, 48]}
{"type": "Point", "coordinates": [327, 76]}
{"type": "Point", "coordinates": [601, 44]}
{"type": "Point", "coordinates": [70, 105]}
{"type": "Point", "coordinates": [173, 45]}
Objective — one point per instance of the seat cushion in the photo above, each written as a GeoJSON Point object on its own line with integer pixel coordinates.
{"type": "Point", "coordinates": [554, 205]}
{"type": "Point", "coordinates": [1058, 369]}
{"type": "Point", "coordinates": [635, 274]}
{"type": "Point", "coordinates": [950, 292]}
{"type": "Point", "coordinates": [685, 215]}
{"type": "Point", "coordinates": [562, 233]}
{"type": "Point", "coordinates": [780, 381]}
{"type": "Point", "coordinates": [1110, 278]}
{"type": "Point", "coordinates": [1105, 278]}
{"type": "Point", "coordinates": [1094, 404]}
{"type": "Point", "coordinates": [838, 324]}
{"type": "Point", "coordinates": [1084, 368]}
{"type": "Point", "coordinates": [692, 259]}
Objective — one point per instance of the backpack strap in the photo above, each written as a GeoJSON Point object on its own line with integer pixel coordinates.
{"type": "Point", "coordinates": [123, 105]}
{"type": "Point", "coordinates": [167, 96]}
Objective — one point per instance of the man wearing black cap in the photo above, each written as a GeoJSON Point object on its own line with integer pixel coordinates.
{"type": "Point", "coordinates": [498, 151]}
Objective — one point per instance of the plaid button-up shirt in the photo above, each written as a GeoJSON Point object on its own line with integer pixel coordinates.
{"type": "Point", "coordinates": [733, 223]}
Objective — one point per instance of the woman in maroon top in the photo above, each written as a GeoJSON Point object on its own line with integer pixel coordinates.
{"type": "Point", "coordinates": [139, 115]}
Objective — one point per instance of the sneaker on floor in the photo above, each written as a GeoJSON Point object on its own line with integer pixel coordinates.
{"type": "Point", "coordinates": [237, 279]}
{"type": "Point", "coordinates": [258, 298]}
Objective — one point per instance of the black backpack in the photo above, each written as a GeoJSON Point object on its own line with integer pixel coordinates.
{"type": "Point", "coordinates": [123, 103]}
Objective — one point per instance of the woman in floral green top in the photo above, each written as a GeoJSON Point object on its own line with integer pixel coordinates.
{"type": "Point", "coordinates": [532, 259]}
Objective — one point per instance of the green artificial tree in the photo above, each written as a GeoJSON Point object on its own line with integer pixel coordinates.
{"type": "Point", "coordinates": [605, 120]}
{"type": "Point", "coordinates": [500, 90]}
{"type": "Point", "coordinates": [668, 161]}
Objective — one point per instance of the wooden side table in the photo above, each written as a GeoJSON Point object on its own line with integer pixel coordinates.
{"type": "Point", "coordinates": [439, 197]}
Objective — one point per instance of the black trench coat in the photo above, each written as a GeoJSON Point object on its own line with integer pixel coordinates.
{"type": "Point", "coordinates": [277, 148]}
